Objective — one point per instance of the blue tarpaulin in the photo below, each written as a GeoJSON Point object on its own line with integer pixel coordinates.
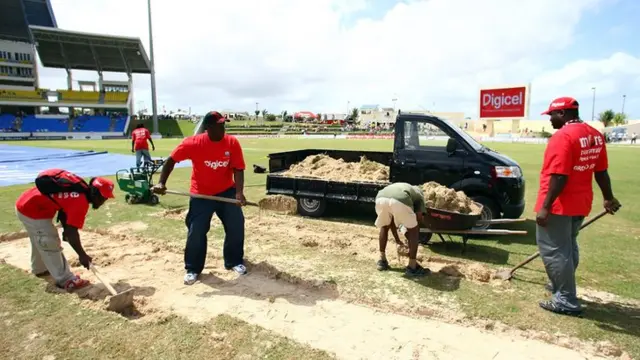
{"type": "Point", "coordinates": [21, 164]}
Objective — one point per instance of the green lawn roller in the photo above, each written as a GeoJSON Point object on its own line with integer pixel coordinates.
{"type": "Point", "coordinates": [136, 182]}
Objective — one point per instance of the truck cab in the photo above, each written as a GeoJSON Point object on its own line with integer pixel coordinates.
{"type": "Point", "coordinates": [428, 148]}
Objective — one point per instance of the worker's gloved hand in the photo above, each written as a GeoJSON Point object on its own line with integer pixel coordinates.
{"type": "Point", "coordinates": [612, 205]}
{"type": "Point", "coordinates": [85, 260]}
{"type": "Point", "coordinates": [159, 189]}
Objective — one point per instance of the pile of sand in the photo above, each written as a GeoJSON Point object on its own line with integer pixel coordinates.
{"type": "Point", "coordinates": [444, 198]}
{"type": "Point", "coordinates": [286, 204]}
{"type": "Point", "coordinates": [327, 168]}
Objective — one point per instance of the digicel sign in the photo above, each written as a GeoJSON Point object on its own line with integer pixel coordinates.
{"type": "Point", "coordinates": [503, 103]}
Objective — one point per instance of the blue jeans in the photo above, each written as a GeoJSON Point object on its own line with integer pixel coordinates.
{"type": "Point", "coordinates": [142, 154]}
{"type": "Point", "coordinates": [198, 222]}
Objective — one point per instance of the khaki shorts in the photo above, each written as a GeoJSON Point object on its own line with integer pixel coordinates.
{"type": "Point", "coordinates": [392, 209]}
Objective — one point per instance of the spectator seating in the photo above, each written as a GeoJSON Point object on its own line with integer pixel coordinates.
{"type": "Point", "coordinates": [31, 123]}
{"type": "Point", "coordinates": [6, 121]}
{"type": "Point", "coordinates": [116, 97]}
{"type": "Point", "coordinates": [120, 123]}
{"type": "Point", "coordinates": [79, 96]}
{"type": "Point", "coordinates": [87, 123]}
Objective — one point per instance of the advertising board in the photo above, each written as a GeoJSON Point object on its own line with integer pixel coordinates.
{"type": "Point", "coordinates": [504, 102]}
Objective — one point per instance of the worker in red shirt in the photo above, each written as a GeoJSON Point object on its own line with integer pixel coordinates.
{"type": "Point", "coordinates": [139, 138]}
{"type": "Point", "coordinates": [574, 153]}
{"type": "Point", "coordinates": [218, 169]}
{"type": "Point", "coordinates": [36, 211]}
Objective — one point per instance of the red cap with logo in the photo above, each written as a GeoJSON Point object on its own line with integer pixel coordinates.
{"type": "Point", "coordinates": [563, 103]}
{"type": "Point", "coordinates": [214, 117]}
{"type": "Point", "coordinates": [104, 186]}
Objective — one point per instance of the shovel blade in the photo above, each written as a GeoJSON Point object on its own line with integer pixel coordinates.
{"type": "Point", "coordinates": [119, 303]}
{"type": "Point", "coordinates": [503, 275]}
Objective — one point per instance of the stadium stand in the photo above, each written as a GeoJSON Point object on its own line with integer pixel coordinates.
{"type": "Point", "coordinates": [42, 123]}
{"type": "Point", "coordinates": [116, 96]}
{"type": "Point", "coordinates": [22, 95]}
{"type": "Point", "coordinates": [28, 29]}
{"type": "Point", "coordinates": [79, 96]}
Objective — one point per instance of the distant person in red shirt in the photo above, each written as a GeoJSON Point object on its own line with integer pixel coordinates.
{"type": "Point", "coordinates": [139, 145]}
{"type": "Point", "coordinates": [218, 169]}
{"type": "Point", "coordinates": [36, 211]}
{"type": "Point", "coordinates": [575, 152]}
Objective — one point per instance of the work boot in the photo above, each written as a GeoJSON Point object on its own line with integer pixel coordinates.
{"type": "Point", "coordinates": [418, 271]}
{"type": "Point", "coordinates": [383, 265]}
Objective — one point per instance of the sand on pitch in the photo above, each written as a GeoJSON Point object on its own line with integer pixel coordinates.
{"type": "Point", "coordinates": [314, 315]}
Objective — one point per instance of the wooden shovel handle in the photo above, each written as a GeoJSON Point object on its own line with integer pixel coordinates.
{"type": "Point", "coordinates": [106, 283]}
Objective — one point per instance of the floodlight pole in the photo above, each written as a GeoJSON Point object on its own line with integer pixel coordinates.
{"type": "Point", "coordinates": [154, 105]}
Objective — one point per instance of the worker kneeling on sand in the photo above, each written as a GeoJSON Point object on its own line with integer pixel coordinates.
{"type": "Point", "coordinates": [62, 192]}
{"type": "Point", "coordinates": [400, 204]}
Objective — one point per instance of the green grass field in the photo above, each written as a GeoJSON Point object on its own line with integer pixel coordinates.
{"type": "Point", "coordinates": [344, 256]}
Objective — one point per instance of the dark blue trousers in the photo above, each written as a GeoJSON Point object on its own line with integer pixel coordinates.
{"type": "Point", "coordinates": [198, 222]}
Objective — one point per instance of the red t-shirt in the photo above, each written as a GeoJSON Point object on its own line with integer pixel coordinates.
{"type": "Point", "coordinates": [213, 162]}
{"type": "Point", "coordinates": [37, 206]}
{"type": "Point", "coordinates": [576, 150]}
{"type": "Point", "coordinates": [140, 137]}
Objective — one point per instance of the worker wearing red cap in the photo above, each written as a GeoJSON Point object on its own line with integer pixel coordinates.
{"type": "Point", "coordinates": [36, 211]}
{"type": "Point", "coordinates": [574, 154]}
{"type": "Point", "coordinates": [217, 169]}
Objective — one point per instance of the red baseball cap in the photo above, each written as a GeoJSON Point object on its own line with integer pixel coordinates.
{"type": "Point", "coordinates": [562, 103]}
{"type": "Point", "coordinates": [105, 186]}
{"type": "Point", "coordinates": [214, 117]}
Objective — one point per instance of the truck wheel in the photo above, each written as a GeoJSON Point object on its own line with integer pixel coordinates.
{"type": "Point", "coordinates": [489, 210]}
{"type": "Point", "coordinates": [311, 207]}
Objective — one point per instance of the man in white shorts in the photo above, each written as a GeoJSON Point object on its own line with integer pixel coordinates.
{"type": "Point", "coordinates": [400, 204]}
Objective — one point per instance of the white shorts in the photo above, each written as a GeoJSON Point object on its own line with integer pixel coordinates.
{"type": "Point", "coordinates": [392, 209]}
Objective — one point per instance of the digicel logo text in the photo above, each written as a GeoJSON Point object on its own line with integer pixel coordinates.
{"type": "Point", "coordinates": [498, 101]}
{"type": "Point", "coordinates": [216, 164]}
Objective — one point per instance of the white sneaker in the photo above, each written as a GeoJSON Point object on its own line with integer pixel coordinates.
{"type": "Point", "coordinates": [240, 269]}
{"type": "Point", "coordinates": [190, 278]}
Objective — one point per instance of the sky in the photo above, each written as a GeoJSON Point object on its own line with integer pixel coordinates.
{"type": "Point", "coordinates": [330, 55]}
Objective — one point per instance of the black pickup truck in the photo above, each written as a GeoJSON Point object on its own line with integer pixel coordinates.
{"type": "Point", "coordinates": [461, 163]}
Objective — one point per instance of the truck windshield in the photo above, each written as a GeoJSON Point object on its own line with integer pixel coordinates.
{"type": "Point", "coordinates": [470, 140]}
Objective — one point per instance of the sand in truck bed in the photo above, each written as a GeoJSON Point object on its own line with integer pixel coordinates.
{"type": "Point", "coordinates": [327, 168]}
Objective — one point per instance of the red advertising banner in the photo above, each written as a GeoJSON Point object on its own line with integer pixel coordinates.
{"type": "Point", "coordinates": [503, 103]}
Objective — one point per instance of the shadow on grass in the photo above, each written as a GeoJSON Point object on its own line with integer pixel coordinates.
{"type": "Point", "coordinates": [435, 280]}
{"type": "Point", "coordinates": [474, 251]}
{"type": "Point", "coordinates": [266, 282]}
{"type": "Point", "coordinates": [613, 317]}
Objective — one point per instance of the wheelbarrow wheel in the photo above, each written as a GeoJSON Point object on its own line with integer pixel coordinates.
{"type": "Point", "coordinates": [154, 199]}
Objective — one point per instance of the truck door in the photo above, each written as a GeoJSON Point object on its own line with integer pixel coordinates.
{"type": "Point", "coordinates": [422, 155]}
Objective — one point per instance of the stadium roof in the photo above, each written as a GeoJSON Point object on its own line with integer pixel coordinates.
{"type": "Point", "coordinates": [17, 15]}
{"type": "Point", "coordinates": [65, 49]}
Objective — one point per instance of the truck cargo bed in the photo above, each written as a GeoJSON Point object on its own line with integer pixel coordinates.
{"type": "Point", "coordinates": [309, 187]}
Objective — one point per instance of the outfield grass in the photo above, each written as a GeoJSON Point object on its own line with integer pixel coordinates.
{"type": "Point", "coordinates": [609, 248]}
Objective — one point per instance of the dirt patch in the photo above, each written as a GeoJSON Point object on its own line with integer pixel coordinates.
{"type": "Point", "coordinates": [128, 227]}
{"type": "Point", "coordinates": [325, 167]}
{"type": "Point", "coordinates": [444, 198]}
{"type": "Point", "coordinates": [269, 297]}
{"type": "Point", "coordinates": [13, 236]}
{"type": "Point", "coordinates": [281, 203]}
{"type": "Point", "coordinates": [175, 214]}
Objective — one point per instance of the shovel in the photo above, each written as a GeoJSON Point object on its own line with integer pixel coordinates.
{"type": "Point", "coordinates": [508, 274]}
{"type": "Point", "coordinates": [117, 302]}
{"type": "Point", "coordinates": [288, 204]}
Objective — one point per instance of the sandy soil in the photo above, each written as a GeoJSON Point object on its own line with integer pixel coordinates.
{"type": "Point", "coordinates": [328, 168]}
{"type": "Point", "coordinates": [305, 311]}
